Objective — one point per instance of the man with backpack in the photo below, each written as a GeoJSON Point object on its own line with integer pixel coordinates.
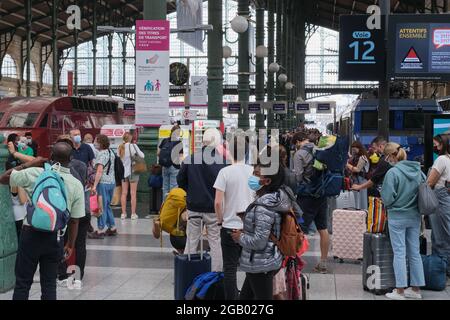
{"type": "Point", "coordinates": [54, 193]}
{"type": "Point", "coordinates": [314, 208]}
{"type": "Point", "coordinates": [170, 165]}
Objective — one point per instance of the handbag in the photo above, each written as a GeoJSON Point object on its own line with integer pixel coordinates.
{"type": "Point", "coordinates": [376, 216]}
{"type": "Point", "coordinates": [428, 201]}
{"type": "Point", "coordinates": [95, 205]}
{"type": "Point", "coordinates": [155, 182]}
{"type": "Point", "coordinates": [138, 164]}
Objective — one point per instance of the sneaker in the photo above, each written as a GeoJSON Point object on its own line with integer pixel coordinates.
{"type": "Point", "coordinates": [96, 235]}
{"type": "Point", "coordinates": [394, 295]}
{"type": "Point", "coordinates": [411, 294]}
{"type": "Point", "coordinates": [134, 216]}
{"type": "Point", "coordinates": [111, 233]}
{"type": "Point", "coordinates": [123, 216]}
{"type": "Point", "coordinates": [77, 284]}
{"type": "Point", "coordinates": [321, 267]}
{"type": "Point", "coordinates": [62, 283]}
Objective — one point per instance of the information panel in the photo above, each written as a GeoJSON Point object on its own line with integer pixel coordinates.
{"type": "Point", "coordinates": [279, 107]}
{"type": "Point", "coordinates": [302, 107]}
{"type": "Point", "coordinates": [421, 47]}
{"type": "Point", "coordinates": [361, 51]}
{"type": "Point", "coordinates": [234, 107]}
{"type": "Point", "coordinates": [254, 107]}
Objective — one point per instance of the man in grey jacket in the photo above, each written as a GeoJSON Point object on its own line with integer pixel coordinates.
{"type": "Point", "coordinates": [314, 209]}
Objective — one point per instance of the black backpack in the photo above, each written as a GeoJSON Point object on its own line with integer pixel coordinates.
{"type": "Point", "coordinates": [119, 171]}
{"type": "Point", "coordinates": [165, 155]}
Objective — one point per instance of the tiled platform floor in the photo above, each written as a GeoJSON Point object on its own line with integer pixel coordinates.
{"type": "Point", "coordinates": [134, 266]}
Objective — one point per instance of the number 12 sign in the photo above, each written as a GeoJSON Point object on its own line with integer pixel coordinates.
{"type": "Point", "coordinates": [361, 51]}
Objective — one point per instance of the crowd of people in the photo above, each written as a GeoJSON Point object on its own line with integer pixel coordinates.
{"type": "Point", "coordinates": [238, 201]}
{"type": "Point", "coordinates": [87, 168]}
{"type": "Point", "coordinates": [239, 204]}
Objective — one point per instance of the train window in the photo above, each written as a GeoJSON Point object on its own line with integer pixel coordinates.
{"type": "Point", "coordinates": [22, 120]}
{"type": "Point", "coordinates": [413, 120]}
{"type": "Point", "coordinates": [44, 121]}
{"type": "Point", "coordinates": [369, 120]}
{"type": "Point", "coordinates": [54, 122]}
{"type": "Point", "coordinates": [1, 115]}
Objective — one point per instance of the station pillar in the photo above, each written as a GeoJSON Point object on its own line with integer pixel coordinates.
{"type": "Point", "coordinates": [244, 67]}
{"type": "Point", "coordinates": [260, 93]}
{"type": "Point", "coordinates": [270, 59]}
{"type": "Point", "coordinates": [8, 235]}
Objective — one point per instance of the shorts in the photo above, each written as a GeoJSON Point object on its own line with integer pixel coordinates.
{"type": "Point", "coordinates": [314, 209]}
{"type": "Point", "coordinates": [132, 178]}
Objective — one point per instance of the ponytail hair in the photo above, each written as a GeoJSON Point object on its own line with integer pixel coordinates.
{"type": "Point", "coordinates": [394, 149]}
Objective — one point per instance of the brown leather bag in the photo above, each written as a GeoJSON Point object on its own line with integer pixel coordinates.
{"type": "Point", "coordinates": [291, 237]}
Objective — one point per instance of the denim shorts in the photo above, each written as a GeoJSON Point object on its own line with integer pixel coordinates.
{"type": "Point", "coordinates": [132, 178]}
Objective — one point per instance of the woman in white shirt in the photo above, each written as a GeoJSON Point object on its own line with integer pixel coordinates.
{"type": "Point", "coordinates": [127, 150]}
{"type": "Point", "coordinates": [19, 204]}
{"type": "Point", "coordinates": [439, 179]}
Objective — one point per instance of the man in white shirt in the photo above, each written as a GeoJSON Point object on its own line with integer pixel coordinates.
{"type": "Point", "coordinates": [233, 196]}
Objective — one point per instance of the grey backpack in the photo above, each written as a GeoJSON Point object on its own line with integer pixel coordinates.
{"type": "Point", "coordinates": [428, 201]}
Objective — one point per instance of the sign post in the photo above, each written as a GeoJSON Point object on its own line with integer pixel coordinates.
{"type": "Point", "coordinates": [152, 72]}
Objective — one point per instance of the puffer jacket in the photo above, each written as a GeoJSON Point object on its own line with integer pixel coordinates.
{"type": "Point", "coordinates": [262, 217]}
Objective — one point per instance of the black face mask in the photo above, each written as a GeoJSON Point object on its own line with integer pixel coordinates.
{"type": "Point", "coordinates": [435, 150]}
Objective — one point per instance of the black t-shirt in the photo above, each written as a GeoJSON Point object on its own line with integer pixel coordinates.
{"type": "Point", "coordinates": [378, 177]}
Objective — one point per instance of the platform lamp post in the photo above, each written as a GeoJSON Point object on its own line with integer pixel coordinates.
{"type": "Point", "coordinates": [261, 53]}
{"type": "Point", "coordinates": [270, 60]}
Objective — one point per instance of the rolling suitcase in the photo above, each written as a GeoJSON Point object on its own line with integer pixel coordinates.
{"type": "Point", "coordinates": [378, 272]}
{"type": "Point", "coordinates": [189, 266]}
{"type": "Point", "coordinates": [349, 227]}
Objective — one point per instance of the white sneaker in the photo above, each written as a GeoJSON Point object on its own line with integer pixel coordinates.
{"type": "Point", "coordinates": [394, 295]}
{"type": "Point", "coordinates": [62, 283]}
{"type": "Point", "coordinates": [411, 294]}
{"type": "Point", "coordinates": [77, 284]}
{"type": "Point", "coordinates": [134, 216]}
{"type": "Point", "coordinates": [123, 216]}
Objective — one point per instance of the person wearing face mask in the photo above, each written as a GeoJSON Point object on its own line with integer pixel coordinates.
{"type": "Point", "coordinates": [31, 143]}
{"type": "Point", "coordinates": [399, 195]}
{"type": "Point", "coordinates": [23, 148]}
{"type": "Point", "coordinates": [314, 209]}
{"type": "Point", "coordinates": [260, 258]}
{"type": "Point", "coordinates": [358, 166]}
{"type": "Point", "coordinates": [81, 151]}
{"type": "Point", "coordinates": [439, 180]}
{"type": "Point", "coordinates": [233, 196]}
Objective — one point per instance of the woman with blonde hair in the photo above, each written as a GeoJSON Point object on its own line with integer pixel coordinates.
{"type": "Point", "coordinates": [399, 194]}
{"type": "Point", "coordinates": [127, 150]}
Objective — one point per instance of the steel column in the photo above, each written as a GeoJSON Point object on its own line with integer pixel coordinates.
{"type": "Point", "coordinates": [124, 61]}
{"type": "Point", "coordinates": [75, 71]}
{"type": "Point", "coordinates": [260, 94]}
{"type": "Point", "coordinates": [270, 59]}
{"type": "Point", "coordinates": [383, 89]}
{"type": "Point", "coordinates": [110, 48]}
{"type": "Point", "coordinates": [94, 50]}
{"type": "Point", "coordinates": [28, 40]}
{"type": "Point", "coordinates": [215, 61]}
{"type": "Point", "coordinates": [55, 47]}
{"type": "Point", "coordinates": [243, 67]}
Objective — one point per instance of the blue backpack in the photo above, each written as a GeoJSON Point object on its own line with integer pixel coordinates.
{"type": "Point", "coordinates": [204, 284]}
{"type": "Point", "coordinates": [330, 181]}
{"type": "Point", "coordinates": [435, 271]}
{"type": "Point", "coordinates": [48, 209]}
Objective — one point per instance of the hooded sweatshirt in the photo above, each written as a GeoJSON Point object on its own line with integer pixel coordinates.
{"type": "Point", "coordinates": [303, 163]}
{"type": "Point", "coordinates": [400, 188]}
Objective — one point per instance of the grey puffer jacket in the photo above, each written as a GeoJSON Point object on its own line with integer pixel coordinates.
{"type": "Point", "coordinates": [262, 217]}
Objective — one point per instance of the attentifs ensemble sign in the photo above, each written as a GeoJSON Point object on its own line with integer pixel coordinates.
{"type": "Point", "coordinates": [421, 47]}
{"type": "Point", "coordinates": [152, 72]}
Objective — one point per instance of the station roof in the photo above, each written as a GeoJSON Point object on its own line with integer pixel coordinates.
{"type": "Point", "coordinates": [123, 13]}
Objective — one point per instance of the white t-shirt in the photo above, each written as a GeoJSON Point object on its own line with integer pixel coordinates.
{"type": "Point", "coordinates": [233, 181]}
{"type": "Point", "coordinates": [442, 165]}
{"type": "Point", "coordinates": [20, 210]}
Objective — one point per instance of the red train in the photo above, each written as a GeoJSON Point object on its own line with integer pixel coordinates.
{"type": "Point", "coordinates": [49, 117]}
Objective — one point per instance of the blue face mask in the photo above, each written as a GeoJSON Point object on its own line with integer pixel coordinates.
{"type": "Point", "coordinates": [77, 139]}
{"type": "Point", "coordinates": [253, 183]}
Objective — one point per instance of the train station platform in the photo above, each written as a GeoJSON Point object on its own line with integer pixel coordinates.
{"type": "Point", "coordinates": [133, 266]}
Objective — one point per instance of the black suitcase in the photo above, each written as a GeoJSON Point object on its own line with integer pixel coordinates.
{"type": "Point", "coordinates": [189, 266]}
{"type": "Point", "coordinates": [378, 258]}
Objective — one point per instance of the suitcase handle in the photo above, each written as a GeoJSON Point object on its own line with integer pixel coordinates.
{"type": "Point", "coordinates": [201, 236]}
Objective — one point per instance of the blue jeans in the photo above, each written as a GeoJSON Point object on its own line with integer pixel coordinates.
{"type": "Point", "coordinates": [169, 179]}
{"type": "Point", "coordinates": [404, 232]}
{"type": "Point", "coordinates": [440, 226]}
{"type": "Point", "coordinates": [106, 191]}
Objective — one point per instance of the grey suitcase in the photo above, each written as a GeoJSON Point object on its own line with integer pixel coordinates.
{"type": "Point", "coordinates": [378, 272]}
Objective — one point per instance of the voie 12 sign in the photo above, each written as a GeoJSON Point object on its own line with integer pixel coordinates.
{"type": "Point", "coordinates": [361, 51]}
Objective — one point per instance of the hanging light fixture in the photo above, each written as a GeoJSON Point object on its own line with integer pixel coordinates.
{"type": "Point", "coordinates": [274, 67]}
{"type": "Point", "coordinates": [262, 51]}
{"type": "Point", "coordinates": [239, 24]}
{"type": "Point", "coordinates": [227, 52]}
{"type": "Point", "coordinates": [289, 86]}
{"type": "Point", "coordinates": [283, 78]}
